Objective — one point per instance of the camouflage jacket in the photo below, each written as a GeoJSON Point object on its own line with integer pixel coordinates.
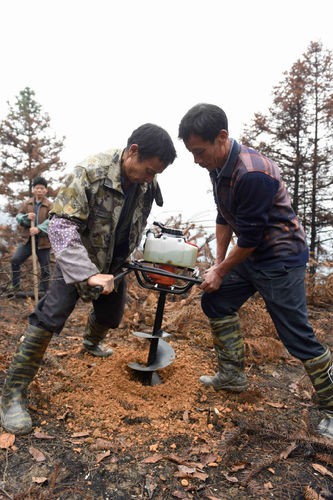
{"type": "Point", "coordinates": [93, 198]}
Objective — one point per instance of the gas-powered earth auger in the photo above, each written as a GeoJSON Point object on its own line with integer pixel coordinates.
{"type": "Point", "coordinates": [167, 267]}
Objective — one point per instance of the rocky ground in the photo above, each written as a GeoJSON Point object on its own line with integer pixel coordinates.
{"type": "Point", "coordinates": [102, 434]}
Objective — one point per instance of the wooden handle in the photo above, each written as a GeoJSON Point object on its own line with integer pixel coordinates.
{"type": "Point", "coordinates": [34, 264]}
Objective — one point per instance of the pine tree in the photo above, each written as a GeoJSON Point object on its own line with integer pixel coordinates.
{"type": "Point", "coordinates": [27, 148]}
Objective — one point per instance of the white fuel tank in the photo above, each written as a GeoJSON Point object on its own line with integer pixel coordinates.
{"type": "Point", "coordinates": [169, 250]}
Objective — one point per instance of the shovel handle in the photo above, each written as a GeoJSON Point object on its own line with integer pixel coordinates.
{"type": "Point", "coordinates": [34, 263]}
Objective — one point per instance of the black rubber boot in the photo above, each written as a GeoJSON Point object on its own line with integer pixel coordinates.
{"type": "Point", "coordinates": [93, 336]}
{"type": "Point", "coordinates": [27, 360]}
{"type": "Point", "coordinates": [229, 347]}
{"type": "Point", "coordinates": [320, 371]}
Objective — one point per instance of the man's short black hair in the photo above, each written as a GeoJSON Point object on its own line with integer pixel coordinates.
{"type": "Point", "coordinates": [153, 141]}
{"type": "Point", "coordinates": [39, 180]}
{"type": "Point", "coordinates": [204, 120]}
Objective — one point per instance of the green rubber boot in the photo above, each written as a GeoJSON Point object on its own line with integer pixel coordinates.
{"type": "Point", "coordinates": [26, 362]}
{"type": "Point", "coordinates": [229, 347]}
{"type": "Point", "coordinates": [320, 371]}
{"type": "Point", "coordinates": [93, 336]}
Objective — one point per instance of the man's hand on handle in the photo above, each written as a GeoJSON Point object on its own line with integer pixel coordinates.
{"type": "Point", "coordinates": [214, 275]}
{"type": "Point", "coordinates": [106, 281]}
{"type": "Point", "coordinates": [33, 231]}
{"type": "Point", "coordinates": [212, 280]}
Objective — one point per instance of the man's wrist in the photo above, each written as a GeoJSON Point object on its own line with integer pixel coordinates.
{"type": "Point", "coordinates": [219, 272]}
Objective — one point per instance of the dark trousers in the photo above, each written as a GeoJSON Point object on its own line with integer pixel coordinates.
{"type": "Point", "coordinates": [21, 255]}
{"type": "Point", "coordinates": [53, 310]}
{"type": "Point", "coordinates": [283, 291]}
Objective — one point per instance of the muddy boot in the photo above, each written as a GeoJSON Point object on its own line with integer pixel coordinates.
{"type": "Point", "coordinates": [26, 362]}
{"type": "Point", "coordinates": [93, 336]}
{"type": "Point", "coordinates": [229, 347]}
{"type": "Point", "coordinates": [320, 371]}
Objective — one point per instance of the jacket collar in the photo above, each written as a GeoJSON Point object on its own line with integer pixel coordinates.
{"type": "Point", "coordinates": [45, 202]}
{"type": "Point", "coordinates": [113, 178]}
{"type": "Point", "coordinates": [229, 166]}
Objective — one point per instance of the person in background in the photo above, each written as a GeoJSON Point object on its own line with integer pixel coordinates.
{"type": "Point", "coordinates": [35, 209]}
{"type": "Point", "coordinates": [269, 257]}
{"type": "Point", "coordinates": [96, 222]}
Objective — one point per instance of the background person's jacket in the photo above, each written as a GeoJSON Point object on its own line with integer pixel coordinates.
{"type": "Point", "coordinates": [41, 221]}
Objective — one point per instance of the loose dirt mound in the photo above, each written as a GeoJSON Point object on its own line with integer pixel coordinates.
{"type": "Point", "coordinates": [101, 434]}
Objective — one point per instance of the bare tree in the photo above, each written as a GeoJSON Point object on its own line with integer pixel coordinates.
{"type": "Point", "coordinates": [319, 180]}
{"type": "Point", "coordinates": [297, 132]}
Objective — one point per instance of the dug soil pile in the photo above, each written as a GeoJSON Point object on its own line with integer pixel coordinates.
{"type": "Point", "coordinates": [101, 434]}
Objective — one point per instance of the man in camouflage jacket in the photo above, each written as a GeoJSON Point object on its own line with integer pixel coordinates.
{"type": "Point", "coordinates": [97, 218]}
{"type": "Point", "coordinates": [96, 222]}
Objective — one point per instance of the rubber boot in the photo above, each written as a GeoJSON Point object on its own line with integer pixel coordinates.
{"type": "Point", "coordinates": [320, 371]}
{"type": "Point", "coordinates": [93, 336]}
{"type": "Point", "coordinates": [26, 362]}
{"type": "Point", "coordinates": [229, 347]}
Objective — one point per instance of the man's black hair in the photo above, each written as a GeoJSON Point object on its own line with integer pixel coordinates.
{"type": "Point", "coordinates": [153, 141]}
{"type": "Point", "coordinates": [39, 180]}
{"type": "Point", "coordinates": [204, 120]}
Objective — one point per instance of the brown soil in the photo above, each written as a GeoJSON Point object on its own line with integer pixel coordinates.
{"type": "Point", "coordinates": [102, 434]}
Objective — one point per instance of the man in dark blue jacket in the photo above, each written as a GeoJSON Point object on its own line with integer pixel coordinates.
{"type": "Point", "coordinates": [269, 256]}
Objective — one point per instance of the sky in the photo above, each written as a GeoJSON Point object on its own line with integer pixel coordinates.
{"type": "Point", "coordinates": [101, 68]}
